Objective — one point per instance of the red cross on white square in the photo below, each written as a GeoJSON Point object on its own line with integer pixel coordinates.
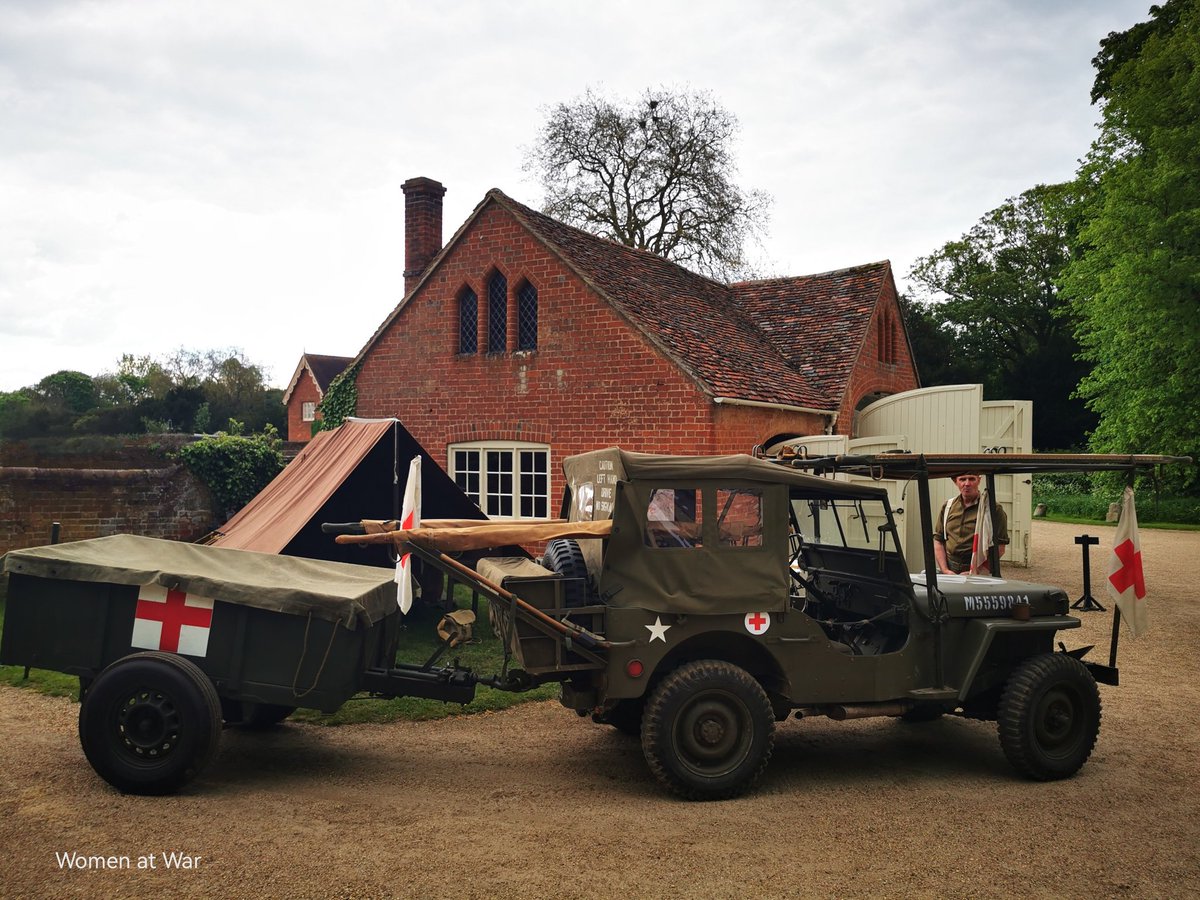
{"type": "Point", "coordinates": [171, 620]}
{"type": "Point", "coordinates": [758, 622]}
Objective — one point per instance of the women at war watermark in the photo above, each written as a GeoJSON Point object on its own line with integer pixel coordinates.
{"type": "Point", "coordinates": [171, 859]}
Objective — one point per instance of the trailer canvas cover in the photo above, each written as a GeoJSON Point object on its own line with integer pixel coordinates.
{"type": "Point", "coordinates": [336, 592]}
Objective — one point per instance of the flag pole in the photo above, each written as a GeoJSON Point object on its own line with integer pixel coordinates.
{"type": "Point", "coordinates": [993, 552]}
{"type": "Point", "coordinates": [1116, 629]}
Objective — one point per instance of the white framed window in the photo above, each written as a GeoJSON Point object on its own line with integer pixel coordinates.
{"type": "Point", "coordinates": [509, 480]}
{"type": "Point", "coordinates": [308, 411]}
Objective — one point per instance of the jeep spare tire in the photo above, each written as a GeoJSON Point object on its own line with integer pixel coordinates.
{"type": "Point", "coordinates": [563, 557]}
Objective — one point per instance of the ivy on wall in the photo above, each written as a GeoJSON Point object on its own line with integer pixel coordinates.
{"type": "Point", "coordinates": [341, 400]}
{"type": "Point", "coordinates": [235, 467]}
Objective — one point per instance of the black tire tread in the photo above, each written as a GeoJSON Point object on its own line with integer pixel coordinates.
{"type": "Point", "coordinates": [1025, 684]}
{"type": "Point", "coordinates": [207, 750]}
{"type": "Point", "coordinates": [564, 557]}
{"type": "Point", "coordinates": [685, 680]}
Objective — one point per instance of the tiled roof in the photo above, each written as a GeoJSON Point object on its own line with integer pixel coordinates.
{"type": "Point", "coordinates": [790, 341]}
{"type": "Point", "coordinates": [326, 368]}
{"type": "Point", "coordinates": [818, 322]}
{"type": "Point", "coordinates": [323, 368]}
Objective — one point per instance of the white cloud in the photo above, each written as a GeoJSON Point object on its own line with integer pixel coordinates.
{"type": "Point", "coordinates": [228, 174]}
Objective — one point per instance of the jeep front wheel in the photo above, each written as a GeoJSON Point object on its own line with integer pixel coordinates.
{"type": "Point", "coordinates": [1049, 716]}
{"type": "Point", "coordinates": [707, 731]}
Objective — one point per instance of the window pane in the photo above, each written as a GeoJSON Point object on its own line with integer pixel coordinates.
{"type": "Point", "coordinates": [468, 322]}
{"type": "Point", "coordinates": [497, 314]}
{"type": "Point", "coordinates": [534, 483]}
{"type": "Point", "coordinates": [466, 472]}
{"type": "Point", "coordinates": [674, 518]}
{"type": "Point", "coordinates": [505, 481]}
{"type": "Point", "coordinates": [527, 317]}
{"type": "Point", "coordinates": [500, 482]}
{"type": "Point", "coordinates": [739, 518]}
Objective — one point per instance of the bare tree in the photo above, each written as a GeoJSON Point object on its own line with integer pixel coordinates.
{"type": "Point", "coordinates": [656, 174]}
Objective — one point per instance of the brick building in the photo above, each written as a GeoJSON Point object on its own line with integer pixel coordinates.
{"type": "Point", "coordinates": [522, 341]}
{"type": "Point", "coordinates": [307, 389]}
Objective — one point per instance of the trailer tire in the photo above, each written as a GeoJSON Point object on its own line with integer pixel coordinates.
{"type": "Point", "coordinates": [563, 557]}
{"type": "Point", "coordinates": [1049, 716]}
{"type": "Point", "coordinates": [708, 730]}
{"type": "Point", "coordinates": [150, 723]}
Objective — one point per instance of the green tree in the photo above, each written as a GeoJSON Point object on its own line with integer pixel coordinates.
{"type": "Point", "coordinates": [940, 357]}
{"type": "Point", "coordinates": [186, 391]}
{"type": "Point", "coordinates": [656, 173]}
{"type": "Point", "coordinates": [1135, 282]}
{"type": "Point", "coordinates": [993, 312]}
{"type": "Point", "coordinates": [68, 391]}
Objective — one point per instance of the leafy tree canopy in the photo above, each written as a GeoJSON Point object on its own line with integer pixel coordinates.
{"type": "Point", "coordinates": [186, 391]}
{"type": "Point", "coordinates": [988, 310]}
{"type": "Point", "coordinates": [656, 173]}
{"type": "Point", "coordinates": [1135, 282]}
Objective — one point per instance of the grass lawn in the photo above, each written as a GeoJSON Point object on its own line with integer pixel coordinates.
{"type": "Point", "coordinates": [484, 655]}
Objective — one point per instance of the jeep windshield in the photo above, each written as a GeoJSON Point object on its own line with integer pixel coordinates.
{"type": "Point", "coordinates": [844, 523]}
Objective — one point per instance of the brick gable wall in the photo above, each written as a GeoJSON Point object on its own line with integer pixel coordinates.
{"type": "Point", "coordinates": [878, 370]}
{"type": "Point", "coordinates": [304, 392]}
{"type": "Point", "coordinates": [594, 381]}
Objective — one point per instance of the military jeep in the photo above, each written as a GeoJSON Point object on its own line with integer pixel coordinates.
{"type": "Point", "coordinates": [732, 592]}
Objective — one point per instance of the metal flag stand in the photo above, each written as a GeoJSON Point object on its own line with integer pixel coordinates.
{"type": "Point", "coordinates": [1087, 603]}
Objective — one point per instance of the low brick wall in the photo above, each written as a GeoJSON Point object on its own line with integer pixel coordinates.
{"type": "Point", "coordinates": [110, 488]}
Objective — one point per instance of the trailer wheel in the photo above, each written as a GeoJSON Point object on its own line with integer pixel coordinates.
{"type": "Point", "coordinates": [150, 723]}
{"type": "Point", "coordinates": [708, 730]}
{"type": "Point", "coordinates": [1049, 716]}
{"type": "Point", "coordinates": [563, 557]}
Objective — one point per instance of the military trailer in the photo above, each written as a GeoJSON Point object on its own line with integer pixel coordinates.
{"type": "Point", "coordinates": [694, 601]}
{"type": "Point", "coordinates": [171, 640]}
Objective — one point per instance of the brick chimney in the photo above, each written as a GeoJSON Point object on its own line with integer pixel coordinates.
{"type": "Point", "coordinates": [422, 226]}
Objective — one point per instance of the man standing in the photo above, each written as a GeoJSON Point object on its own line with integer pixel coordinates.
{"type": "Point", "coordinates": [956, 527]}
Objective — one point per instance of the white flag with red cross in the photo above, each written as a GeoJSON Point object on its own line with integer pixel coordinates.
{"type": "Point", "coordinates": [410, 517]}
{"type": "Point", "coordinates": [982, 540]}
{"type": "Point", "coordinates": [170, 620]}
{"type": "Point", "coordinates": [1126, 579]}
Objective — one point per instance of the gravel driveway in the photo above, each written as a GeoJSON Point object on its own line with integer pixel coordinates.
{"type": "Point", "coordinates": [535, 803]}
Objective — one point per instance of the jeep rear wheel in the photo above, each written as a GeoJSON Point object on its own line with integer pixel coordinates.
{"type": "Point", "coordinates": [708, 730]}
{"type": "Point", "coordinates": [1049, 716]}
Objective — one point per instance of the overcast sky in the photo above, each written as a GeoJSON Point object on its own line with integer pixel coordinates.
{"type": "Point", "coordinates": [210, 175]}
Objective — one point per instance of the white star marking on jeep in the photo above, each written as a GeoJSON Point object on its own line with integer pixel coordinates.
{"type": "Point", "coordinates": [658, 631]}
